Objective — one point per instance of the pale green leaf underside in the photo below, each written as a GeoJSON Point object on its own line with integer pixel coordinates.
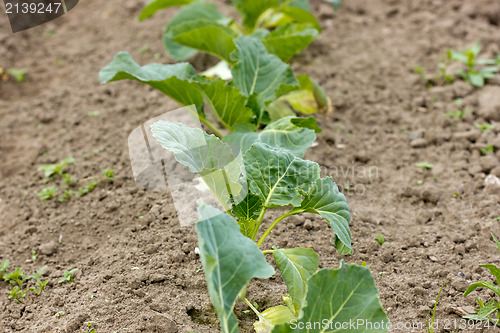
{"type": "Point", "coordinates": [300, 15]}
{"type": "Point", "coordinates": [172, 80]}
{"type": "Point", "coordinates": [277, 176]}
{"type": "Point", "coordinates": [340, 296]}
{"type": "Point", "coordinates": [296, 267]}
{"type": "Point", "coordinates": [155, 5]}
{"type": "Point", "coordinates": [258, 72]}
{"type": "Point", "coordinates": [271, 317]}
{"type": "Point", "coordinates": [203, 154]}
{"type": "Point", "coordinates": [230, 260]}
{"type": "Point", "coordinates": [283, 133]}
{"type": "Point", "coordinates": [325, 200]}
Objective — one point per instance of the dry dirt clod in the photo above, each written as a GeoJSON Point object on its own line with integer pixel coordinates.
{"type": "Point", "coordinates": [49, 249]}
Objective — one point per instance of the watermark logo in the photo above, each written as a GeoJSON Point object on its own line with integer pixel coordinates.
{"type": "Point", "coordinates": [26, 14]}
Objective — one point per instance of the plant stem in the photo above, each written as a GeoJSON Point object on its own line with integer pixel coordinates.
{"type": "Point", "coordinates": [212, 127]}
{"type": "Point", "coordinates": [271, 227]}
{"type": "Point", "coordinates": [267, 251]}
{"type": "Point", "coordinates": [261, 217]}
{"type": "Point", "coordinates": [252, 307]}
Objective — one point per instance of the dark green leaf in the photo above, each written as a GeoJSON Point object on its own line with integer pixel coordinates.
{"type": "Point", "coordinates": [343, 295]}
{"type": "Point", "coordinates": [482, 284]}
{"type": "Point", "coordinates": [197, 10]}
{"type": "Point", "coordinates": [494, 270]}
{"type": "Point", "coordinates": [172, 80]}
{"type": "Point", "coordinates": [325, 200]}
{"type": "Point", "coordinates": [230, 261]}
{"type": "Point", "coordinates": [277, 176]}
{"type": "Point", "coordinates": [290, 39]}
{"type": "Point", "coordinates": [258, 72]}
{"type": "Point", "coordinates": [155, 5]}
{"type": "Point", "coordinates": [296, 267]}
{"type": "Point", "coordinates": [286, 133]}
{"type": "Point", "coordinates": [205, 35]}
{"type": "Point", "coordinates": [251, 10]}
{"type": "Point", "coordinates": [300, 15]}
{"type": "Point", "coordinates": [227, 103]}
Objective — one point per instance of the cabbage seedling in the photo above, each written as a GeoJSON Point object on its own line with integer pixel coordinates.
{"type": "Point", "coordinates": [270, 175]}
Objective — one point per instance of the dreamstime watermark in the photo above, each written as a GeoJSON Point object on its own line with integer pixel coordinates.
{"type": "Point", "coordinates": [352, 179]}
{"type": "Point", "coordinates": [26, 14]}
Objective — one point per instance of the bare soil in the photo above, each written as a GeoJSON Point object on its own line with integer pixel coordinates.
{"type": "Point", "coordinates": [138, 270]}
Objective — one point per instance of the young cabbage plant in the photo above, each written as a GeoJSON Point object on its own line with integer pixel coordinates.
{"type": "Point", "coordinates": [263, 88]}
{"type": "Point", "coordinates": [270, 175]}
{"type": "Point", "coordinates": [284, 27]}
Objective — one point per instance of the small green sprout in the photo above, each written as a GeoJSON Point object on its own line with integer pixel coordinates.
{"type": "Point", "coordinates": [3, 268]}
{"type": "Point", "coordinates": [144, 49]}
{"type": "Point", "coordinates": [56, 169]}
{"type": "Point", "coordinates": [89, 325]}
{"type": "Point", "coordinates": [68, 276]}
{"type": "Point", "coordinates": [94, 113]}
{"type": "Point", "coordinates": [420, 182]}
{"type": "Point", "coordinates": [33, 255]}
{"type": "Point", "coordinates": [66, 196]}
{"type": "Point", "coordinates": [484, 127]}
{"type": "Point", "coordinates": [47, 193]}
{"type": "Point", "coordinates": [18, 278]}
{"type": "Point", "coordinates": [430, 320]}
{"type": "Point", "coordinates": [110, 174]}
{"type": "Point", "coordinates": [59, 314]}
{"type": "Point", "coordinates": [425, 165]}
{"type": "Point", "coordinates": [486, 310]}
{"type": "Point", "coordinates": [68, 180]}
{"type": "Point", "coordinates": [489, 149]}
{"type": "Point", "coordinates": [476, 70]}
{"type": "Point", "coordinates": [83, 191]}
{"type": "Point", "coordinates": [17, 74]}
{"type": "Point", "coordinates": [380, 239]}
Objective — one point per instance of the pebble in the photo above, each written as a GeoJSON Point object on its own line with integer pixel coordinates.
{"type": "Point", "coordinates": [308, 225]}
{"type": "Point", "coordinates": [49, 249]}
{"type": "Point", "coordinates": [419, 143]}
{"type": "Point", "coordinates": [492, 185]}
{"type": "Point", "coordinates": [487, 163]}
{"type": "Point", "coordinates": [297, 219]}
{"type": "Point", "coordinates": [489, 103]}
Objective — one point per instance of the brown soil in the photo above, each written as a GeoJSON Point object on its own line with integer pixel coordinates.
{"type": "Point", "coordinates": [137, 267]}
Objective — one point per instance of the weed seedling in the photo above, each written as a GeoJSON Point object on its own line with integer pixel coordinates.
{"type": "Point", "coordinates": [51, 170]}
{"type": "Point", "coordinates": [380, 239]}
{"type": "Point", "coordinates": [33, 255]}
{"type": "Point", "coordinates": [47, 193]}
{"type": "Point", "coordinates": [425, 165]}
{"type": "Point", "coordinates": [486, 310]}
{"type": "Point", "coordinates": [89, 328]}
{"type": "Point", "coordinates": [484, 127]}
{"type": "Point", "coordinates": [489, 149]}
{"type": "Point", "coordinates": [18, 279]}
{"type": "Point", "coordinates": [95, 113]}
{"type": "Point", "coordinates": [17, 74]}
{"type": "Point", "coordinates": [430, 321]}
{"type": "Point", "coordinates": [110, 174]}
{"type": "Point", "coordinates": [476, 70]}
{"type": "Point", "coordinates": [68, 276]}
